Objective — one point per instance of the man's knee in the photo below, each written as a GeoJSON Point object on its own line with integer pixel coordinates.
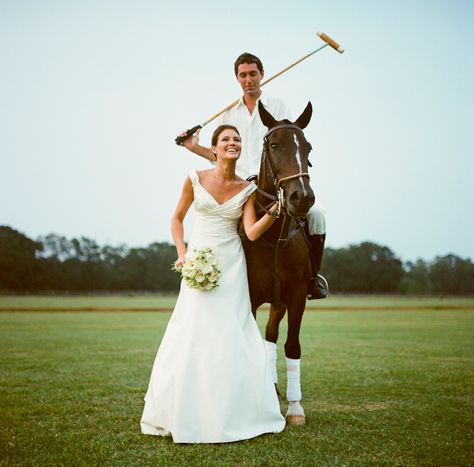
{"type": "Point", "coordinates": [316, 221]}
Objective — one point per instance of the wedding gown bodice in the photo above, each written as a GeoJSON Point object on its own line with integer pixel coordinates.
{"type": "Point", "coordinates": [213, 220]}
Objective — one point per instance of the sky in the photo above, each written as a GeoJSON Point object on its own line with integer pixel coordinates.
{"type": "Point", "coordinates": [93, 93]}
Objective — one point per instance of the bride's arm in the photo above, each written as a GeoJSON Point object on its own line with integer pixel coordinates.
{"type": "Point", "coordinates": [177, 230]}
{"type": "Point", "coordinates": [254, 227]}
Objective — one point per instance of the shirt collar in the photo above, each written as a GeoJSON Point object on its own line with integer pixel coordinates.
{"type": "Point", "coordinates": [262, 98]}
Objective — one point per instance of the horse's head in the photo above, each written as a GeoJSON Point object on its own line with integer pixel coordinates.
{"type": "Point", "coordinates": [285, 161]}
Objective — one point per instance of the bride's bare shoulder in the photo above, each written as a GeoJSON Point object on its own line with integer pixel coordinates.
{"type": "Point", "coordinates": [204, 171]}
{"type": "Point", "coordinates": [241, 182]}
{"type": "Point", "coordinates": [203, 174]}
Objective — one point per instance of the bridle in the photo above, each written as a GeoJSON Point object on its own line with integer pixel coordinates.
{"type": "Point", "coordinates": [277, 182]}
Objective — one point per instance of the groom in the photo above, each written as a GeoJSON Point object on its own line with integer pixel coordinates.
{"type": "Point", "coordinates": [249, 72]}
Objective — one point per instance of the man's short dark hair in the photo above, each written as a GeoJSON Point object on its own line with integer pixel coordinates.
{"type": "Point", "coordinates": [247, 58]}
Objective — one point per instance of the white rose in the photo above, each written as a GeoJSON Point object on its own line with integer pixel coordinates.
{"type": "Point", "coordinates": [199, 277]}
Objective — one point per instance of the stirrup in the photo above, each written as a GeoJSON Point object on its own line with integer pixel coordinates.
{"type": "Point", "coordinates": [319, 288]}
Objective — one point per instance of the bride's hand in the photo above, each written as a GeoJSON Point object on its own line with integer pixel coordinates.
{"type": "Point", "coordinates": [275, 209]}
{"type": "Point", "coordinates": [180, 261]}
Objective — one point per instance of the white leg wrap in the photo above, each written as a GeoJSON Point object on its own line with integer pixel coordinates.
{"type": "Point", "coordinates": [293, 387]}
{"type": "Point", "coordinates": [271, 349]}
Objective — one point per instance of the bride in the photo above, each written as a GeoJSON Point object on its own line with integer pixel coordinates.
{"type": "Point", "coordinates": [210, 382]}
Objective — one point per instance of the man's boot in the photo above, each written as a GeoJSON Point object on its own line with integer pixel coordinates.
{"type": "Point", "coordinates": [318, 287]}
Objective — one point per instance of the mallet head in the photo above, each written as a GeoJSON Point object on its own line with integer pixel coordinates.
{"type": "Point", "coordinates": [331, 42]}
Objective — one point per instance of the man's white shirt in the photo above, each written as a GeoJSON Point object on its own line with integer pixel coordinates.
{"type": "Point", "coordinates": [252, 131]}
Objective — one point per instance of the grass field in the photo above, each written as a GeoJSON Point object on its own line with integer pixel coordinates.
{"type": "Point", "coordinates": [166, 302]}
{"type": "Point", "coordinates": [379, 387]}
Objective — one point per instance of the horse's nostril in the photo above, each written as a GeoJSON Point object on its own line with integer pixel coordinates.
{"type": "Point", "coordinates": [295, 197]}
{"type": "Point", "coordinates": [301, 201]}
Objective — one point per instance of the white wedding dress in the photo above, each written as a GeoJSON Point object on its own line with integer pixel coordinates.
{"type": "Point", "coordinates": [210, 382]}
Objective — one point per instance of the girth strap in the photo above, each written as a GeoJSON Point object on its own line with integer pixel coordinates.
{"type": "Point", "coordinates": [282, 240]}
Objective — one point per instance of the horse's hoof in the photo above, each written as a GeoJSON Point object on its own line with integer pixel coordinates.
{"type": "Point", "coordinates": [295, 420]}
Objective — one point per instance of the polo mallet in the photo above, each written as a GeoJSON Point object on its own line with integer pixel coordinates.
{"type": "Point", "coordinates": [328, 41]}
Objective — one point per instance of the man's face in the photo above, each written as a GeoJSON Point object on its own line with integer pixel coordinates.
{"type": "Point", "coordinates": [249, 78]}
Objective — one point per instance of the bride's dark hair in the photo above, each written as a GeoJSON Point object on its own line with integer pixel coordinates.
{"type": "Point", "coordinates": [219, 130]}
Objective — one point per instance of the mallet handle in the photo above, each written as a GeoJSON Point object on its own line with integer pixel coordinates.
{"type": "Point", "coordinates": [221, 112]}
{"type": "Point", "coordinates": [331, 42]}
{"type": "Point", "coordinates": [179, 140]}
{"type": "Point", "coordinates": [293, 64]}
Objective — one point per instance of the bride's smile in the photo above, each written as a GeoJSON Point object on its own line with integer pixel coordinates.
{"type": "Point", "coordinates": [228, 145]}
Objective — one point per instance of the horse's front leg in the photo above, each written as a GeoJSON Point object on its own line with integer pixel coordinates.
{"type": "Point", "coordinates": [295, 413]}
{"type": "Point", "coordinates": [271, 337]}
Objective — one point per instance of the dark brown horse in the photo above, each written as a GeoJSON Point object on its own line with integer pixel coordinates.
{"type": "Point", "coordinates": [278, 263]}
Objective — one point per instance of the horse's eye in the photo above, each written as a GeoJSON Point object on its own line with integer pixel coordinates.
{"type": "Point", "coordinates": [274, 146]}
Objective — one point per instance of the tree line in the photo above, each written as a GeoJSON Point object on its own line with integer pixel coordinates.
{"type": "Point", "coordinates": [56, 263]}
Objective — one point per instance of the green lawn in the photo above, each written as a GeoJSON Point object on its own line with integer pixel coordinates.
{"type": "Point", "coordinates": [93, 301]}
{"type": "Point", "coordinates": [379, 388]}
{"type": "Point", "coordinates": [154, 301]}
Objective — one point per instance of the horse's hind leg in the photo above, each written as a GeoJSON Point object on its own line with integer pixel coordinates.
{"type": "Point", "coordinates": [271, 337]}
{"type": "Point", "coordinates": [295, 413]}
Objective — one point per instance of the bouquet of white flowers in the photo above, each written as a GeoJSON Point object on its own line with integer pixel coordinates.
{"type": "Point", "coordinates": [200, 269]}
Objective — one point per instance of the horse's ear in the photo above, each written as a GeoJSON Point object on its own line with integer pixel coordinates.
{"type": "Point", "coordinates": [305, 117]}
{"type": "Point", "coordinates": [266, 117]}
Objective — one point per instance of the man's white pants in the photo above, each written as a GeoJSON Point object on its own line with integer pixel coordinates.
{"type": "Point", "coordinates": [316, 221]}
